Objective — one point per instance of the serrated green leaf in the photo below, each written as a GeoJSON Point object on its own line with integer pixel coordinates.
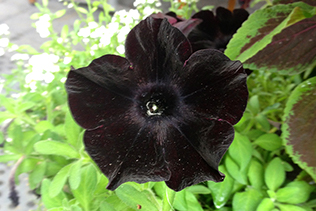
{"type": "Point", "coordinates": [256, 174]}
{"type": "Point", "coordinates": [269, 141]}
{"type": "Point", "coordinates": [85, 192]}
{"type": "Point", "coordinates": [294, 193]}
{"type": "Point", "coordinates": [274, 174]}
{"type": "Point", "coordinates": [56, 148]}
{"type": "Point", "coordinates": [265, 205]}
{"type": "Point", "coordinates": [59, 181]}
{"type": "Point", "coordinates": [221, 191]}
{"type": "Point", "coordinates": [299, 125]}
{"type": "Point", "coordinates": [247, 201]}
{"type": "Point", "coordinates": [260, 27]}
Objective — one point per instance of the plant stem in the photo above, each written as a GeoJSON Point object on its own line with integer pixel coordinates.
{"type": "Point", "coordinates": [168, 200]}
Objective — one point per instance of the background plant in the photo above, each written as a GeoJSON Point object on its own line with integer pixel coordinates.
{"type": "Point", "coordinates": [265, 166]}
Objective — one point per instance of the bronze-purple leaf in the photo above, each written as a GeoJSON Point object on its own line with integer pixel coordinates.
{"type": "Point", "coordinates": [162, 113]}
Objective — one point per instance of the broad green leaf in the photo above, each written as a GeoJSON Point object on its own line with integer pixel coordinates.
{"type": "Point", "coordinates": [198, 189]}
{"type": "Point", "coordinates": [116, 203]}
{"type": "Point", "coordinates": [186, 201]}
{"type": "Point", "coordinates": [60, 13]}
{"type": "Point", "coordinates": [257, 32]}
{"type": "Point", "coordinates": [9, 157]}
{"type": "Point", "coordinates": [263, 122]}
{"type": "Point", "coordinates": [241, 151]}
{"type": "Point", "coordinates": [74, 178]}
{"type": "Point", "coordinates": [85, 192]}
{"type": "Point", "coordinates": [265, 205]}
{"type": "Point", "coordinates": [59, 181]}
{"type": "Point", "coordinates": [274, 174]}
{"type": "Point", "coordinates": [104, 206]}
{"type": "Point", "coordinates": [247, 201]}
{"type": "Point", "coordinates": [254, 105]}
{"type": "Point", "coordinates": [298, 130]}
{"type": "Point", "coordinates": [256, 174]}
{"type": "Point", "coordinates": [234, 171]}
{"type": "Point", "coordinates": [50, 202]}
{"type": "Point", "coordinates": [72, 130]}
{"type": "Point", "coordinates": [269, 141]}
{"type": "Point", "coordinates": [294, 193]}
{"type": "Point", "coordinates": [135, 198]}
{"type": "Point", "coordinates": [44, 125]}
{"type": "Point", "coordinates": [289, 207]}
{"type": "Point", "coordinates": [37, 175]}
{"type": "Point", "coordinates": [221, 191]}
{"type": "Point", "coordinates": [56, 148]}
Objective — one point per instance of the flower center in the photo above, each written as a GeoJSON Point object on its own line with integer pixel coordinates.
{"type": "Point", "coordinates": [158, 100]}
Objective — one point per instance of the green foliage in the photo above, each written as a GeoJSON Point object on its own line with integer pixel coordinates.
{"type": "Point", "coordinates": [40, 136]}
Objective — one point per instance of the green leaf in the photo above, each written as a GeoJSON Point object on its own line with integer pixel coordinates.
{"type": "Point", "coordinates": [247, 201]}
{"type": "Point", "coordinates": [234, 171]}
{"type": "Point", "coordinates": [186, 201]}
{"type": "Point", "coordinates": [60, 13]}
{"type": "Point", "coordinates": [198, 189]}
{"type": "Point", "coordinates": [74, 178]}
{"type": "Point", "coordinates": [263, 122]}
{"type": "Point", "coordinates": [294, 193]}
{"type": "Point", "coordinates": [254, 105]}
{"type": "Point", "coordinates": [241, 151]}
{"type": "Point", "coordinates": [37, 175]}
{"type": "Point", "coordinates": [256, 174]}
{"type": "Point", "coordinates": [56, 148]}
{"type": "Point", "coordinates": [133, 197]}
{"type": "Point", "coordinates": [85, 192]}
{"type": "Point", "coordinates": [82, 10]}
{"type": "Point", "coordinates": [104, 206]}
{"type": "Point", "coordinates": [269, 141]}
{"type": "Point", "coordinates": [265, 205]}
{"type": "Point", "coordinates": [50, 202]}
{"type": "Point", "coordinates": [59, 181]}
{"type": "Point", "coordinates": [274, 174]}
{"type": "Point", "coordinates": [298, 130]}
{"type": "Point", "coordinates": [116, 203]}
{"type": "Point", "coordinates": [72, 130]}
{"type": "Point", "coordinates": [9, 157]}
{"type": "Point", "coordinates": [221, 191]}
{"type": "Point", "coordinates": [44, 125]}
{"type": "Point", "coordinates": [289, 207]}
{"type": "Point", "coordinates": [64, 34]}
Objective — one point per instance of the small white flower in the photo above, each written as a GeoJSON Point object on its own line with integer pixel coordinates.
{"type": "Point", "coordinates": [20, 56]}
{"type": "Point", "coordinates": [84, 32]}
{"type": "Point", "coordinates": [4, 42]}
{"type": "Point", "coordinates": [4, 29]}
{"type": "Point", "coordinates": [2, 51]}
{"type": "Point", "coordinates": [120, 49]}
{"type": "Point", "coordinates": [67, 60]}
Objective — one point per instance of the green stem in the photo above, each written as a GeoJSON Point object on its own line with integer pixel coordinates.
{"type": "Point", "coordinates": [168, 200]}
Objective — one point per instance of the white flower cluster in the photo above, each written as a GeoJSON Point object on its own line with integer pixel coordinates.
{"type": "Point", "coordinates": [42, 25]}
{"type": "Point", "coordinates": [120, 25]}
{"type": "Point", "coordinates": [42, 68]}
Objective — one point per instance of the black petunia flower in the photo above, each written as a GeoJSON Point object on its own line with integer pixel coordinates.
{"type": "Point", "coordinates": [216, 31]}
{"type": "Point", "coordinates": [160, 114]}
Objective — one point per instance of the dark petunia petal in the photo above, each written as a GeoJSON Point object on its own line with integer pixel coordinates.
{"type": "Point", "coordinates": [100, 93]}
{"type": "Point", "coordinates": [125, 152]}
{"type": "Point", "coordinates": [214, 86]}
{"type": "Point", "coordinates": [194, 151]}
{"type": "Point", "coordinates": [156, 49]}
